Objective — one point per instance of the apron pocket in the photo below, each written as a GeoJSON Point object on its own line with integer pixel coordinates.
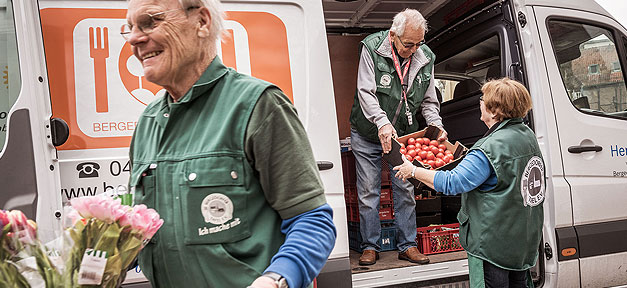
{"type": "Point", "coordinates": [214, 201]}
{"type": "Point", "coordinates": [142, 184]}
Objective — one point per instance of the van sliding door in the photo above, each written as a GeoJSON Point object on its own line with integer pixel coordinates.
{"type": "Point", "coordinates": [585, 61]}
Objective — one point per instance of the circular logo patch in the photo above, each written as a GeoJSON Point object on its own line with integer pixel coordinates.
{"type": "Point", "coordinates": [532, 184]}
{"type": "Point", "coordinates": [217, 208]}
{"type": "Point", "coordinates": [386, 79]}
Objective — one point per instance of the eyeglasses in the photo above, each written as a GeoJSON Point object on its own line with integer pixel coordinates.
{"type": "Point", "coordinates": [146, 23]}
{"type": "Point", "coordinates": [410, 45]}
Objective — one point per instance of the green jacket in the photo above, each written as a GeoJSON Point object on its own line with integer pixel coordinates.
{"type": "Point", "coordinates": [503, 225]}
{"type": "Point", "coordinates": [190, 166]}
{"type": "Point", "coordinates": [389, 89]}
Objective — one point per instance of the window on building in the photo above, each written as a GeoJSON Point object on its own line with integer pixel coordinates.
{"type": "Point", "coordinates": [10, 81]}
{"type": "Point", "coordinates": [597, 88]}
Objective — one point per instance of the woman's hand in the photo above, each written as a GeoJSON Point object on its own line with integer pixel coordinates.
{"type": "Point", "coordinates": [404, 170]}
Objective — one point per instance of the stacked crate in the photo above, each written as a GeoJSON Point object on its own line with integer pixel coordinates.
{"type": "Point", "coordinates": [428, 209]}
{"type": "Point", "coordinates": [386, 208]}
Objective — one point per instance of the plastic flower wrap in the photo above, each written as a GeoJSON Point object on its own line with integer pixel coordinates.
{"type": "Point", "coordinates": [25, 262]}
{"type": "Point", "coordinates": [106, 236]}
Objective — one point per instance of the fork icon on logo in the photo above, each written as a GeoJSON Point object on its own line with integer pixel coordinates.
{"type": "Point", "coordinates": [100, 52]}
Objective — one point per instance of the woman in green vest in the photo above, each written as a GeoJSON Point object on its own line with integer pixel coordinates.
{"type": "Point", "coordinates": [502, 184]}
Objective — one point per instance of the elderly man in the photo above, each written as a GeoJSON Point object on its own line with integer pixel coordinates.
{"type": "Point", "coordinates": [395, 82]}
{"type": "Point", "coordinates": [210, 156]}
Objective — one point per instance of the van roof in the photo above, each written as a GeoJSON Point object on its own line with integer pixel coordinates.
{"type": "Point", "coordinates": [365, 16]}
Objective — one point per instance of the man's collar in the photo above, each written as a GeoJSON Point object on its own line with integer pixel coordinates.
{"type": "Point", "coordinates": [214, 72]}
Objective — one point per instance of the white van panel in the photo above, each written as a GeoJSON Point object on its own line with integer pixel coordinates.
{"type": "Point", "coordinates": [592, 267]}
{"type": "Point", "coordinates": [595, 188]}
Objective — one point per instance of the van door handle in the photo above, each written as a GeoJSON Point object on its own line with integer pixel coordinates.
{"type": "Point", "coordinates": [580, 149]}
{"type": "Point", "coordinates": [324, 165]}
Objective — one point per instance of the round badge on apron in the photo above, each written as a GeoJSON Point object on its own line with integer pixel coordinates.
{"type": "Point", "coordinates": [217, 208]}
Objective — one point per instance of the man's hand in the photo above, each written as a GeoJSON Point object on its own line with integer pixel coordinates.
{"type": "Point", "coordinates": [263, 282]}
{"type": "Point", "coordinates": [443, 136]}
{"type": "Point", "coordinates": [386, 133]}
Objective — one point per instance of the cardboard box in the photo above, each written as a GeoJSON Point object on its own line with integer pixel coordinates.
{"type": "Point", "coordinates": [431, 132]}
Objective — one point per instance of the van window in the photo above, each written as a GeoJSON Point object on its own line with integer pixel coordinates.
{"type": "Point", "coordinates": [9, 67]}
{"type": "Point", "coordinates": [590, 67]}
{"type": "Point", "coordinates": [463, 74]}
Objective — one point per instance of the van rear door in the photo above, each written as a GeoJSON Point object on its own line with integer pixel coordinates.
{"type": "Point", "coordinates": [28, 167]}
{"type": "Point", "coordinates": [585, 60]}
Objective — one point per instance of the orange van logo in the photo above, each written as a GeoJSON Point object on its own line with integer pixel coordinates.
{"type": "Point", "coordinates": [98, 87]}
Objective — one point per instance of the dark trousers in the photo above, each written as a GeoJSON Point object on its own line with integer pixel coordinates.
{"type": "Point", "coordinates": [496, 277]}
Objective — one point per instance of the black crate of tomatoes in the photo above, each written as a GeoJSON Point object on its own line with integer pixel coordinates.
{"type": "Point", "coordinates": [424, 150]}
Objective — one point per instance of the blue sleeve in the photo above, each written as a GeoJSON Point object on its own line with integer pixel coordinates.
{"type": "Point", "coordinates": [473, 171]}
{"type": "Point", "coordinates": [310, 237]}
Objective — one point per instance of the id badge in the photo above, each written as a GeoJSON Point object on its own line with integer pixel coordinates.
{"type": "Point", "coordinates": [410, 120]}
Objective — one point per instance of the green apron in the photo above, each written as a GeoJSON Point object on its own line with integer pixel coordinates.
{"type": "Point", "coordinates": [189, 164]}
{"type": "Point", "coordinates": [389, 90]}
{"type": "Point", "coordinates": [503, 225]}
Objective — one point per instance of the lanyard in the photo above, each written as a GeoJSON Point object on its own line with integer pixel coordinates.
{"type": "Point", "coordinates": [397, 66]}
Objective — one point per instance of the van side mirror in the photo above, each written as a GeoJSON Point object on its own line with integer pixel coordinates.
{"type": "Point", "coordinates": [581, 102]}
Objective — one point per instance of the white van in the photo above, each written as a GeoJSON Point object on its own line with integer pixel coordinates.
{"type": "Point", "coordinates": [71, 91]}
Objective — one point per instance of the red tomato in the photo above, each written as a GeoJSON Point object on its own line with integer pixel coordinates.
{"type": "Point", "coordinates": [423, 154]}
{"type": "Point", "coordinates": [442, 146]}
{"type": "Point", "coordinates": [431, 163]}
{"type": "Point", "coordinates": [411, 141]}
{"type": "Point", "coordinates": [403, 150]}
{"type": "Point", "coordinates": [448, 152]}
{"type": "Point", "coordinates": [402, 145]}
{"type": "Point", "coordinates": [411, 147]}
{"type": "Point", "coordinates": [425, 141]}
{"type": "Point", "coordinates": [435, 150]}
{"type": "Point", "coordinates": [434, 143]}
{"type": "Point", "coordinates": [412, 153]}
{"type": "Point", "coordinates": [425, 148]}
{"type": "Point", "coordinates": [439, 155]}
{"type": "Point", "coordinates": [409, 158]}
{"type": "Point", "coordinates": [448, 158]}
{"type": "Point", "coordinates": [441, 150]}
{"type": "Point", "coordinates": [418, 157]}
{"type": "Point", "coordinates": [439, 163]}
{"type": "Point", "coordinates": [419, 141]}
{"type": "Point", "coordinates": [430, 156]}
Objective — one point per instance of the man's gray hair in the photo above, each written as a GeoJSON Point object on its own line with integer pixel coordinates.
{"type": "Point", "coordinates": [215, 12]}
{"type": "Point", "coordinates": [410, 17]}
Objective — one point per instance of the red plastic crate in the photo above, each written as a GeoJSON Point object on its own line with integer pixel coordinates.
{"type": "Point", "coordinates": [386, 213]}
{"type": "Point", "coordinates": [348, 168]}
{"type": "Point", "coordinates": [350, 194]}
{"type": "Point", "coordinates": [438, 239]}
{"type": "Point", "coordinates": [386, 194]}
{"type": "Point", "coordinates": [386, 178]}
{"type": "Point", "coordinates": [352, 212]}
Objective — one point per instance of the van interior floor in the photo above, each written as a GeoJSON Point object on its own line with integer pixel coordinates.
{"type": "Point", "coordinates": [389, 260]}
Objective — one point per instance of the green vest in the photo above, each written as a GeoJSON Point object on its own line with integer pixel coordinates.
{"type": "Point", "coordinates": [389, 90]}
{"type": "Point", "coordinates": [503, 225]}
{"type": "Point", "coordinates": [189, 164]}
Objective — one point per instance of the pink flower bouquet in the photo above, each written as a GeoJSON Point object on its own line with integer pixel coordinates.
{"type": "Point", "coordinates": [106, 236]}
{"type": "Point", "coordinates": [24, 261]}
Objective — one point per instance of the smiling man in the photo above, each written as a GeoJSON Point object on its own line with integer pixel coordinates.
{"type": "Point", "coordinates": [213, 156]}
{"type": "Point", "coordinates": [395, 82]}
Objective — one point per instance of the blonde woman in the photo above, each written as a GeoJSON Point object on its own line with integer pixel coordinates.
{"type": "Point", "coordinates": [502, 184]}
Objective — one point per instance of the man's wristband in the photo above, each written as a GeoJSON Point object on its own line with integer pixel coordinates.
{"type": "Point", "coordinates": [413, 171]}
